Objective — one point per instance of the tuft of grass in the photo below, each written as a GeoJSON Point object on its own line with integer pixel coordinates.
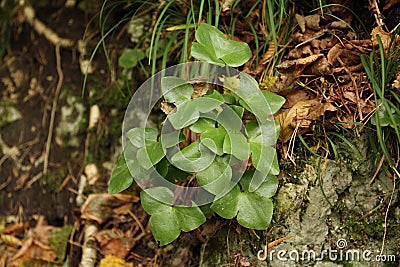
{"type": "Point", "coordinates": [381, 66]}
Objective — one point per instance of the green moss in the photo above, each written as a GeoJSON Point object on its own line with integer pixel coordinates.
{"type": "Point", "coordinates": [59, 241]}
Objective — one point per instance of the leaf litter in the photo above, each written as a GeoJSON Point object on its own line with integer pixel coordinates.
{"type": "Point", "coordinates": [321, 77]}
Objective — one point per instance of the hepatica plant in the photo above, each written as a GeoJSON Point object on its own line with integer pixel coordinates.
{"type": "Point", "coordinates": [215, 148]}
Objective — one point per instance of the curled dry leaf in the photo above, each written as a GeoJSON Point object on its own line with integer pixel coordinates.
{"type": "Point", "coordinates": [396, 83]}
{"type": "Point", "coordinates": [298, 65]}
{"type": "Point", "coordinates": [301, 21]}
{"type": "Point", "coordinates": [167, 108]}
{"type": "Point", "coordinates": [11, 240]}
{"type": "Point", "coordinates": [311, 22]}
{"type": "Point", "coordinates": [385, 37]}
{"type": "Point", "coordinates": [301, 116]}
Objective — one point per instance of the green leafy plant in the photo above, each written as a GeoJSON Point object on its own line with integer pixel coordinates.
{"type": "Point", "coordinates": [232, 159]}
{"type": "Point", "coordinates": [381, 67]}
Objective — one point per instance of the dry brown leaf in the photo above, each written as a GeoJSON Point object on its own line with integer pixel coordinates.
{"type": "Point", "coordinates": [312, 21]}
{"type": "Point", "coordinates": [112, 261]}
{"type": "Point", "coordinates": [301, 21]}
{"type": "Point", "coordinates": [36, 245]}
{"type": "Point", "coordinates": [11, 240]}
{"type": "Point", "coordinates": [321, 67]}
{"type": "Point", "coordinates": [100, 207]}
{"type": "Point", "coordinates": [167, 108]}
{"type": "Point", "coordinates": [115, 242]}
{"type": "Point", "coordinates": [298, 65]}
{"type": "Point", "coordinates": [301, 116]}
{"type": "Point", "coordinates": [390, 3]}
{"type": "Point", "coordinates": [200, 89]}
{"type": "Point", "coordinates": [295, 96]}
{"type": "Point", "coordinates": [350, 96]}
{"type": "Point", "coordinates": [385, 37]}
{"type": "Point", "coordinates": [396, 83]}
{"type": "Point", "coordinates": [339, 24]}
{"type": "Point", "coordinates": [15, 228]}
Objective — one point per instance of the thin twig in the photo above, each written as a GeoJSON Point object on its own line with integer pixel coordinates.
{"type": "Point", "coordinates": [387, 213]}
{"type": "Point", "coordinates": [53, 109]}
{"type": "Point", "coordinates": [42, 29]}
{"type": "Point", "coordinates": [377, 170]}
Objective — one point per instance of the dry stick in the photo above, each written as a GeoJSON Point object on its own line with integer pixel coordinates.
{"type": "Point", "coordinates": [54, 108]}
{"type": "Point", "coordinates": [387, 213]}
{"type": "Point", "coordinates": [377, 13]}
{"type": "Point", "coordinates": [42, 29]}
{"type": "Point", "coordinates": [377, 170]}
{"type": "Point", "coordinates": [355, 87]}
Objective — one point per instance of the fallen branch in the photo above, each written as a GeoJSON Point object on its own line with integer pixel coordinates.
{"type": "Point", "coordinates": [54, 108]}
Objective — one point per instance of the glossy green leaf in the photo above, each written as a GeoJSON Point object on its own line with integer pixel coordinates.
{"type": "Point", "coordinates": [274, 101]}
{"type": "Point", "coordinates": [202, 125]}
{"type": "Point", "coordinates": [167, 221]}
{"type": "Point", "coordinates": [121, 179]}
{"type": "Point", "coordinates": [213, 139]}
{"type": "Point", "coordinates": [261, 103]}
{"type": "Point", "coordinates": [150, 155]}
{"type": "Point", "coordinates": [139, 137]}
{"type": "Point", "coordinates": [265, 184]}
{"type": "Point", "coordinates": [189, 112]}
{"type": "Point", "coordinates": [227, 206]}
{"type": "Point", "coordinates": [265, 133]}
{"type": "Point", "coordinates": [201, 52]}
{"type": "Point", "coordinates": [184, 116]}
{"type": "Point", "coordinates": [215, 95]}
{"type": "Point", "coordinates": [164, 226]}
{"type": "Point", "coordinates": [193, 158]}
{"type": "Point", "coordinates": [172, 138]}
{"type": "Point", "coordinates": [130, 58]}
{"type": "Point", "coordinates": [236, 144]}
{"type": "Point", "coordinates": [216, 176]}
{"type": "Point", "coordinates": [264, 158]}
{"type": "Point", "coordinates": [213, 47]}
{"type": "Point", "coordinates": [229, 98]}
{"type": "Point", "coordinates": [189, 218]}
{"type": "Point", "coordinates": [253, 209]}
{"type": "Point", "coordinates": [229, 119]}
{"type": "Point", "coordinates": [176, 90]}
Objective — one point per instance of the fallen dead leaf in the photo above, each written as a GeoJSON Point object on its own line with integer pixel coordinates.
{"type": "Point", "coordinates": [112, 261]}
{"type": "Point", "coordinates": [115, 242]}
{"type": "Point", "coordinates": [100, 207]}
{"type": "Point", "coordinates": [301, 115]}
{"type": "Point", "coordinates": [385, 37]}
{"type": "Point", "coordinates": [295, 96]}
{"type": "Point", "coordinates": [390, 3]}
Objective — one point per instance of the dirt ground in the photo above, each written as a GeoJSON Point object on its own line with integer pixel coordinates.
{"type": "Point", "coordinates": [41, 165]}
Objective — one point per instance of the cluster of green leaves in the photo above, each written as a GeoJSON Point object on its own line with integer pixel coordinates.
{"type": "Point", "coordinates": [225, 143]}
{"type": "Point", "coordinates": [381, 67]}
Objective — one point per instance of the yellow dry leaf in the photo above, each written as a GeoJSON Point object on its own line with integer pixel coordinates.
{"type": "Point", "coordinates": [301, 116]}
{"type": "Point", "coordinates": [11, 240]}
{"type": "Point", "coordinates": [385, 37]}
{"type": "Point", "coordinates": [112, 261]}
